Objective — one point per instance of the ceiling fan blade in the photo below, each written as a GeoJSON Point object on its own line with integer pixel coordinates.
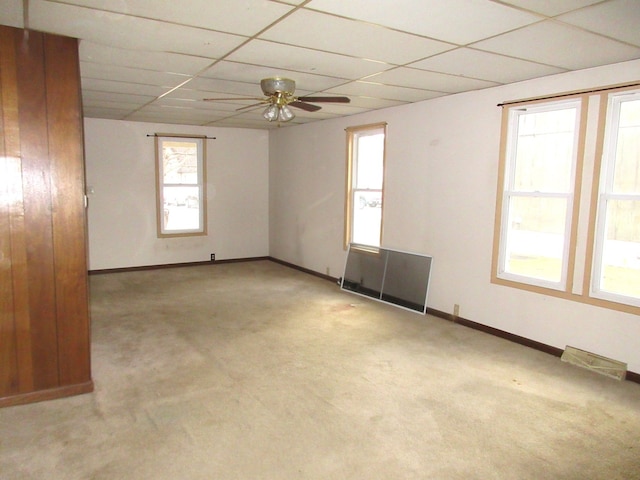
{"type": "Point", "coordinates": [235, 98]}
{"type": "Point", "coordinates": [305, 106]}
{"type": "Point", "coordinates": [325, 99]}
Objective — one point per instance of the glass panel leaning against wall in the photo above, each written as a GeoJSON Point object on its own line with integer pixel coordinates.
{"type": "Point", "coordinates": [540, 208]}
{"type": "Point", "coordinates": [365, 181]}
{"type": "Point", "coordinates": [181, 195]}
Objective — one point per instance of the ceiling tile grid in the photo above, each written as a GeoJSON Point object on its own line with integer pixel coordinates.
{"type": "Point", "coordinates": [150, 61]}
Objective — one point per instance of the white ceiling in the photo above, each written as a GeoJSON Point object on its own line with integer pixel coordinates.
{"type": "Point", "coordinates": [156, 60]}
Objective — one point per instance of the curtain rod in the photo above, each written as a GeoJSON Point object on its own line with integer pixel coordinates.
{"type": "Point", "coordinates": [180, 135]}
{"type": "Point", "coordinates": [569, 94]}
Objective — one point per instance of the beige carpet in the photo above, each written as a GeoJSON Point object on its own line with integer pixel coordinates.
{"type": "Point", "coordinates": [257, 371]}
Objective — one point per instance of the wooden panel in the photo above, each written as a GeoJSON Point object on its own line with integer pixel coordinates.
{"type": "Point", "coordinates": [67, 180]}
{"type": "Point", "coordinates": [44, 314]}
{"type": "Point", "coordinates": [50, 394]}
{"type": "Point", "coordinates": [8, 349]}
{"type": "Point", "coordinates": [16, 343]}
{"type": "Point", "coordinates": [37, 207]}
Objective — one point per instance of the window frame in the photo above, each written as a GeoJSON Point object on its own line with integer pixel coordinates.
{"type": "Point", "coordinates": [201, 142]}
{"type": "Point", "coordinates": [611, 103]}
{"type": "Point", "coordinates": [352, 134]}
{"type": "Point", "coordinates": [588, 178]}
{"type": "Point", "coordinates": [509, 191]}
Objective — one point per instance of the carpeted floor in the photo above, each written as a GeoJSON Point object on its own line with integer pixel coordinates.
{"type": "Point", "coordinates": [257, 371]}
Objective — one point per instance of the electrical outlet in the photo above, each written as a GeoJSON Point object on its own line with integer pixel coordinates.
{"type": "Point", "coordinates": [213, 257]}
{"type": "Point", "coordinates": [456, 310]}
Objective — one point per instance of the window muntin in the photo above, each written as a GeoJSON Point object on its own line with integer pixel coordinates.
{"type": "Point", "coordinates": [181, 191]}
{"type": "Point", "coordinates": [366, 149]}
{"type": "Point", "coordinates": [537, 196]}
{"type": "Point", "coordinates": [616, 265]}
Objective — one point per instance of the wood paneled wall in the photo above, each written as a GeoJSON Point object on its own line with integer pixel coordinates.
{"type": "Point", "coordinates": [44, 314]}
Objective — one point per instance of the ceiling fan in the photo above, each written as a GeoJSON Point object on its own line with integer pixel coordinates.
{"type": "Point", "coordinates": [279, 95]}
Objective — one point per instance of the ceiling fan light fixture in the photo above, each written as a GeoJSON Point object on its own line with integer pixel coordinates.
{"type": "Point", "coordinates": [271, 113]}
{"type": "Point", "coordinates": [285, 114]}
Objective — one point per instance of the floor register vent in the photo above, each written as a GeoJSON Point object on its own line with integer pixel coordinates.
{"type": "Point", "coordinates": [591, 361]}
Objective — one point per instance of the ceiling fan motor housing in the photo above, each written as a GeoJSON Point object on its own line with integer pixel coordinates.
{"type": "Point", "coordinates": [271, 86]}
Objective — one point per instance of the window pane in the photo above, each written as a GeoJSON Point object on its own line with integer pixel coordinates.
{"type": "Point", "coordinates": [620, 271]}
{"type": "Point", "coordinates": [369, 166]}
{"type": "Point", "coordinates": [627, 161]}
{"type": "Point", "coordinates": [181, 208]}
{"type": "Point", "coordinates": [544, 151]}
{"type": "Point", "coordinates": [367, 218]}
{"type": "Point", "coordinates": [180, 162]}
{"type": "Point", "coordinates": [535, 237]}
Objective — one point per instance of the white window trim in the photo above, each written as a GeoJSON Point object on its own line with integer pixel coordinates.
{"type": "Point", "coordinates": [508, 192]}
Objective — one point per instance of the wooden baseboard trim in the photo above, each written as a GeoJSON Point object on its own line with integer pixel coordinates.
{"type": "Point", "coordinates": [49, 394]}
{"type": "Point", "coordinates": [305, 270]}
{"type": "Point", "coordinates": [174, 265]}
{"type": "Point", "coordinates": [556, 352]}
{"type": "Point", "coordinates": [633, 377]}
{"type": "Point", "coordinates": [527, 342]}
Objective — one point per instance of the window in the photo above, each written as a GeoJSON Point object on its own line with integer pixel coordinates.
{"type": "Point", "coordinates": [538, 193]}
{"type": "Point", "coordinates": [181, 192]}
{"type": "Point", "coordinates": [551, 238]}
{"type": "Point", "coordinates": [365, 180]}
{"type": "Point", "coordinates": [616, 273]}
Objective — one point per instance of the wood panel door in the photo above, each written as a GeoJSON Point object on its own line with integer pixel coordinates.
{"type": "Point", "coordinates": [44, 315]}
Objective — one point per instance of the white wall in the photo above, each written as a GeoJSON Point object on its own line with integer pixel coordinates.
{"type": "Point", "coordinates": [441, 180]}
{"type": "Point", "coordinates": [120, 167]}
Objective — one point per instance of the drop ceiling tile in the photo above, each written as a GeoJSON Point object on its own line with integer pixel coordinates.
{"type": "Point", "coordinates": [93, 95]}
{"type": "Point", "coordinates": [122, 87]}
{"type": "Point", "coordinates": [163, 118]}
{"type": "Point", "coordinates": [439, 82]}
{"type": "Point", "coordinates": [125, 31]}
{"type": "Point", "coordinates": [177, 113]}
{"type": "Point", "coordinates": [231, 123]}
{"type": "Point", "coordinates": [276, 55]}
{"type": "Point", "coordinates": [11, 13]}
{"type": "Point", "coordinates": [183, 95]}
{"type": "Point", "coordinates": [471, 63]}
{"type": "Point", "coordinates": [618, 19]}
{"type": "Point", "coordinates": [560, 45]}
{"type": "Point", "coordinates": [132, 75]}
{"type": "Point", "coordinates": [208, 86]}
{"type": "Point", "coordinates": [89, 103]}
{"type": "Point", "coordinates": [550, 7]}
{"type": "Point", "coordinates": [101, 112]}
{"type": "Point", "coordinates": [200, 104]}
{"type": "Point", "coordinates": [389, 92]}
{"type": "Point", "coordinates": [252, 74]}
{"type": "Point", "coordinates": [352, 38]}
{"type": "Point", "coordinates": [455, 21]}
{"type": "Point", "coordinates": [244, 17]}
{"type": "Point", "coordinates": [158, 61]}
{"type": "Point", "coordinates": [370, 103]}
{"type": "Point", "coordinates": [292, 2]}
